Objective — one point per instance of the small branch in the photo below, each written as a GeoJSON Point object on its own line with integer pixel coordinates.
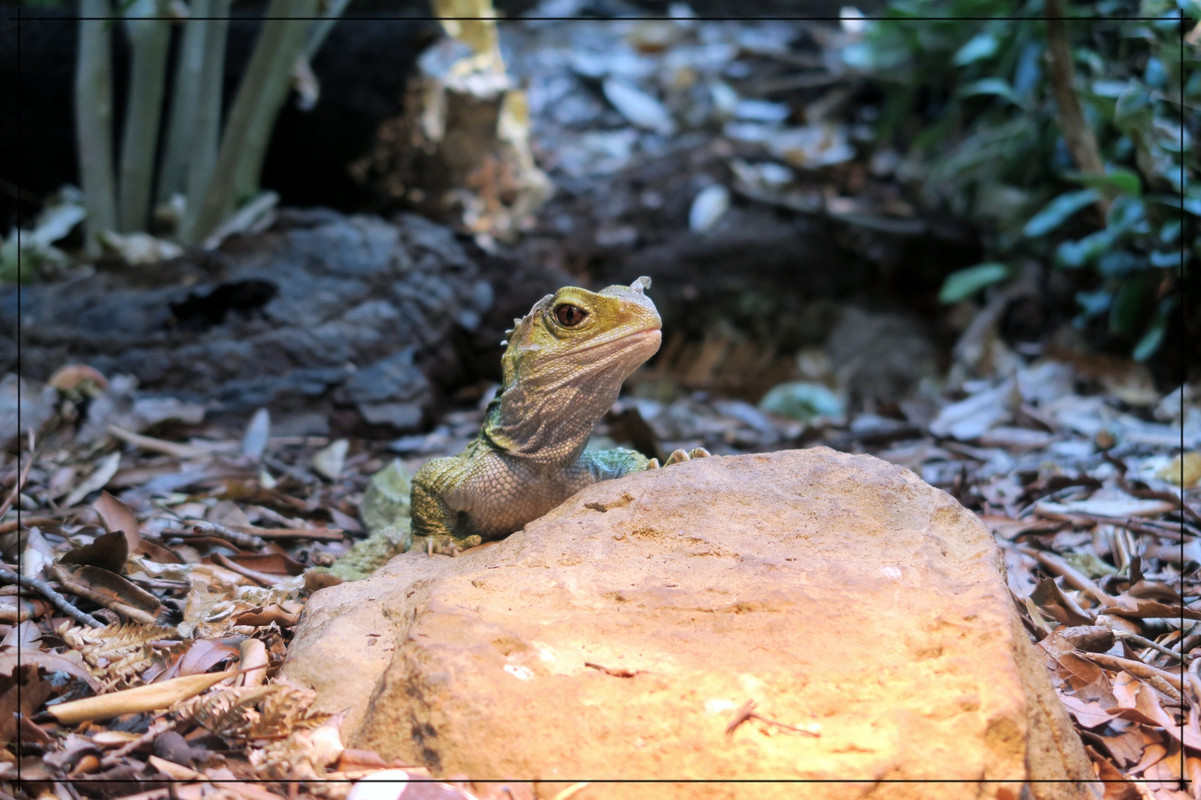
{"type": "Point", "coordinates": [616, 673]}
{"type": "Point", "coordinates": [1143, 641]}
{"type": "Point", "coordinates": [173, 449]}
{"type": "Point", "coordinates": [21, 478]}
{"type": "Point", "coordinates": [10, 575]}
{"type": "Point", "coordinates": [28, 522]}
{"type": "Point", "coordinates": [1136, 668]}
{"type": "Point", "coordinates": [1073, 576]}
{"type": "Point", "coordinates": [1079, 137]}
{"type": "Point", "coordinates": [747, 712]}
{"type": "Point", "coordinates": [205, 528]}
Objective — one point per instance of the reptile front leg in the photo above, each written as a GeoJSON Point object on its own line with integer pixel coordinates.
{"type": "Point", "coordinates": [678, 456]}
{"type": "Point", "coordinates": [435, 524]}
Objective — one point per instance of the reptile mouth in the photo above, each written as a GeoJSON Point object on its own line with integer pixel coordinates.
{"type": "Point", "coordinates": [621, 342]}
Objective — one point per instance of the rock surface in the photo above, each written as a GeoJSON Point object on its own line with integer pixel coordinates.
{"type": "Point", "coordinates": [834, 591]}
{"type": "Point", "coordinates": [322, 314]}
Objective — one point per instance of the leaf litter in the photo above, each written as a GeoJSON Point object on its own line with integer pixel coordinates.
{"type": "Point", "coordinates": [159, 567]}
{"type": "Point", "coordinates": [186, 592]}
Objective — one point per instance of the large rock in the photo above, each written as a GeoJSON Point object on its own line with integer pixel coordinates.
{"type": "Point", "coordinates": [832, 590]}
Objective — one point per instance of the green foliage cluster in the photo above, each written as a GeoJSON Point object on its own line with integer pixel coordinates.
{"type": "Point", "coordinates": [213, 168]}
{"type": "Point", "coordinates": [972, 96]}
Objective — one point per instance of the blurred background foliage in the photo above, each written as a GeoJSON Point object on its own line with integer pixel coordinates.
{"type": "Point", "coordinates": [974, 103]}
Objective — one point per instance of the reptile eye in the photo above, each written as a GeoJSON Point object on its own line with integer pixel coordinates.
{"type": "Point", "coordinates": [569, 316]}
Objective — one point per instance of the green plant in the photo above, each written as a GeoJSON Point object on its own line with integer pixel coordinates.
{"type": "Point", "coordinates": [213, 170]}
{"type": "Point", "coordinates": [1064, 139]}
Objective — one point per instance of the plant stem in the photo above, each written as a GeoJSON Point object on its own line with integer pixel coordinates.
{"type": "Point", "coordinates": [317, 35]}
{"type": "Point", "coordinates": [185, 97]}
{"type": "Point", "coordinates": [260, 96]}
{"type": "Point", "coordinates": [203, 151]}
{"type": "Point", "coordinates": [1076, 133]}
{"type": "Point", "coordinates": [149, 40]}
{"type": "Point", "coordinates": [94, 119]}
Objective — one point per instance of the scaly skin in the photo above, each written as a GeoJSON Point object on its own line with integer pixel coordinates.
{"type": "Point", "coordinates": [562, 370]}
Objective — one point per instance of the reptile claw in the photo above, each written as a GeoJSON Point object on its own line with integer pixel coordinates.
{"type": "Point", "coordinates": [679, 456]}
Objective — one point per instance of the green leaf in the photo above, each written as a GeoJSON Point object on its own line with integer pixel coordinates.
{"type": "Point", "coordinates": [1170, 231]}
{"type": "Point", "coordinates": [1126, 214]}
{"type": "Point", "coordinates": [1130, 102]}
{"type": "Point", "coordinates": [964, 283]}
{"type": "Point", "coordinates": [1164, 259]}
{"type": "Point", "coordinates": [1084, 251]}
{"type": "Point", "coordinates": [1127, 307]}
{"type": "Point", "coordinates": [982, 45]}
{"type": "Point", "coordinates": [1094, 304]}
{"type": "Point", "coordinates": [1149, 344]}
{"type": "Point", "coordinates": [1108, 88]}
{"type": "Point", "coordinates": [1056, 212]}
{"type": "Point", "coordinates": [1125, 181]}
{"type": "Point", "coordinates": [990, 86]}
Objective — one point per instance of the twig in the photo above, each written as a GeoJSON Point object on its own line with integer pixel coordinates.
{"type": "Point", "coordinates": [10, 575]}
{"type": "Point", "coordinates": [616, 673]}
{"type": "Point", "coordinates": [1079, 137]}
{"type": "Point", "coordinates": [160, 725]}
{"type": "Point", "coordinates": [203, 527]}
{"type": "Point", "coordinates": [1145, 642]}
{"type": "Point", "coordinates": [173, 449]}
{"type": "Point", "coordinates": [316, 534]}
{"type": "Point", "coordinates": [1136, 668]}
{"type": "Point", "coordinates": [16, 492]}
{"type": "Point", "coordinates": [747, 712]}
{"type": "Point", "coordinates": [1073, 576]}
{"type": "Point", "coordinates": [27, 522]}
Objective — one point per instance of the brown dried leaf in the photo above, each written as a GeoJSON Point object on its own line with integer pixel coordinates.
{"type": "Point", "coordinates": [22, 692]}
{"type": "Point", "coordinates": [1087, 714]}
{"type": "Point", "coordinates": [108, 551]}
{"type": "Point", "coordinates": [280, 564]}
{"type": "Point", "coordinates": [204, 654]}
{"type": "Point", "coordinates": [49, 662]}
{"type": "Point", "coordinates": [154, 697]}
{"type": "Point", "coordinates": [263, 616]}
{"type": "Point", "coordinates": [117, 516]}
{"type": "Point", "coordinates": [111, 591]}
{"type": "Point", "coordinates": [99, 478]}
{"type": "Point", "coordinates": [1052, 602]}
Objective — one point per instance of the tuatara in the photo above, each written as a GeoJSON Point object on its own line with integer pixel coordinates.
{"type": "Point", "coordinates": [563, 367]}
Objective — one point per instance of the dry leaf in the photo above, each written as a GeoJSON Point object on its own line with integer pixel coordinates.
{"type": "Point", "coordinates": [117, 516]}
{"type": "Point", "coordinates": [99, 478]}
{"type": "Point", "coordinates": [154, 697]}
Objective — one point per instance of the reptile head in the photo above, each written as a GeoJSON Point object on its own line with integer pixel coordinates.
{"type": "Point", "coordinates": [578, 334]}
{"type": "Point", "coordinates": [567, 358]}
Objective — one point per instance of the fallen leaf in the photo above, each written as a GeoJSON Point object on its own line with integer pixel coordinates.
{"type": "Point", "coordinates": [108, 551]}
{"type": "Point", "coordinates": [117, 516]}
{"type": "Point", "coordinates": [1107, 507]}
{"type": "Point", "coordinates": [99, 478]}
{"type": "Point", "coordinates": [973, 416]}
{"type": "Point", "coordinates": [1183, 470]}
{"type": "Point", "coordinates": [154, 697]}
